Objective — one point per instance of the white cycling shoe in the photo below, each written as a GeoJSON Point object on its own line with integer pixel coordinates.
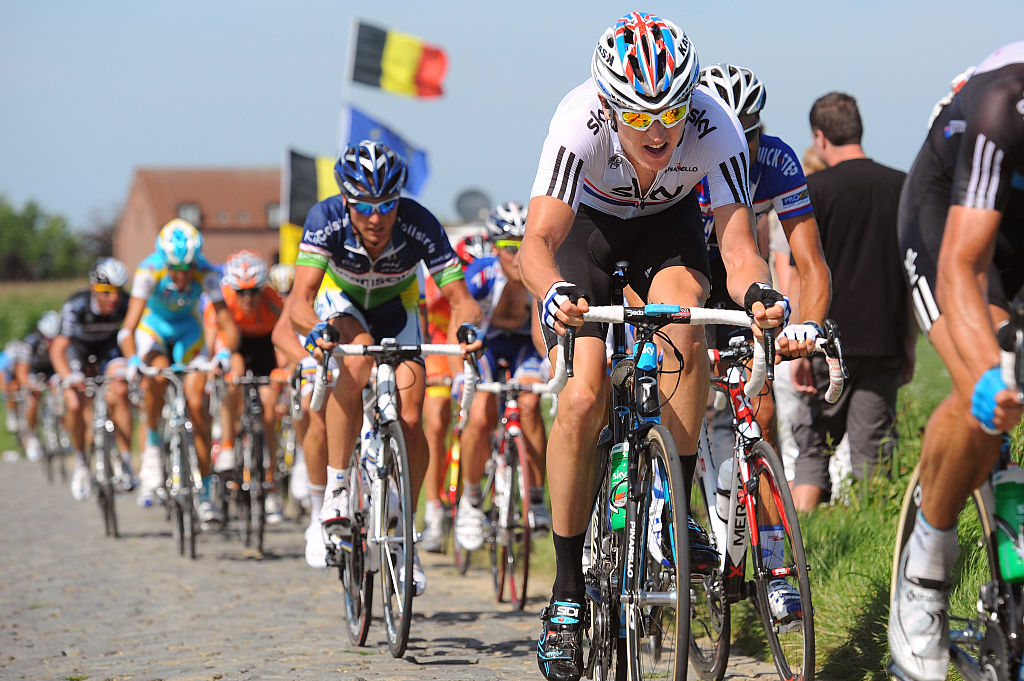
{"type": "Point", "coordinates": [316, 549]}
{"type": "Point", "coordinates": [470, 525]}
{"type": "Point", "coordinates": [334, 512]}
{"type": "Point", "coordinates": [274, 509]}
{"type": "Point", "coordinates": [150, 475]}
{"type": "Point", "coordinates": [81, 485]}
{"type": "Point", "coordinates": [919, 627]}
{"type": "Point", "coordinates": [432, 537]}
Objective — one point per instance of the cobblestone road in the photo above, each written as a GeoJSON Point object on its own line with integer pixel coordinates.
{"type": "Point", "coordinates": [76, 605]}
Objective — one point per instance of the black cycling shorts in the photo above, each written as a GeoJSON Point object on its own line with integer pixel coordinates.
{"type": "Point", "coordinates": [258, 353]}
{"type": "Point", "coordinates": [651, 243]}
{"type": "Point", "coordinates": [91, 358]}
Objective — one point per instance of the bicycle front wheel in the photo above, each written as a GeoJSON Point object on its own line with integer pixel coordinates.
{"type": "Point", "coordinates": [975, 578]}
{"type": "Point", "coordinates": [257, 486]}
{"type": "Point", "coordinates": [780, 568]}
{"type": "Point", "coordinates": [514, 530]}
{"type": "Point", "coordinates": [356, 581]}
{"type": "Point", "coordinates": [709, 609]}
{"type": "Point", "coordinates": [657, 619]}
{"type": "Point", "coordinates": [396, 540]}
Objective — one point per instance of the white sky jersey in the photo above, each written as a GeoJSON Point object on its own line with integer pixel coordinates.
{"type": "Point", "coordinates": [582, 159]}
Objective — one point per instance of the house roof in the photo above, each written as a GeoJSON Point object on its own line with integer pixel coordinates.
{"type": "Point", "coordinates": [227, 197]}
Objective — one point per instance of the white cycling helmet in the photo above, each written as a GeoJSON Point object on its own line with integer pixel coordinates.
{"type": "Point", "coordinates": [109, 271]}
{"type": "Point", "coordinates": [49, 324]}
{"type": "Point", "coordinates": [245, 270]}
{"type": "Point", "coordinates": [180, 242]}
{"type": "Point", "coordinates": [737, 85]}
{"type": "Point", "coordinates": [282, 277]}
{"type": "Point", "coordinates": [644, 62]}
{"type": "Point", "coordinates": [507, 221]}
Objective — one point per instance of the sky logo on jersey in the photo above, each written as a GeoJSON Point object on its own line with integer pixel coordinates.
{"type": "Point", "coordinates": [954, 127]}
{"type": "Point", "coordinates": [596, 120]}
{"type": "Point", "coordinates": [699, 120]}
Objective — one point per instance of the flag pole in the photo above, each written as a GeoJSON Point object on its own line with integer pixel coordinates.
{"type": "Point", "coordinates": [346, 86]}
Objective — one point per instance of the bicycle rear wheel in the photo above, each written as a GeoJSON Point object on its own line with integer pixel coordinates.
{"type": "Point", "coordinates": [976, 580]}
{"type": "Point", "coordinates": [709, 609]}
{"type": "Point", "coordinates": [657, 623]}
{"type": "Point", "coordinates": [356, 580]}
{"type": "Point", "coordinates": [396, 540]}
{"type": "Point", "coordinates": [451, 496]}
{"type": "Point", "coordinates": [790, 639]}
{"type": "Point", "coordinates": [514, 531]}
{"type": "Point", "coordinates": [243, 488]}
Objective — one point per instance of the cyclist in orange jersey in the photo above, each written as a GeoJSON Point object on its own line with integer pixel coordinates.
{"type": "Point", "coordinates": [255, 308]}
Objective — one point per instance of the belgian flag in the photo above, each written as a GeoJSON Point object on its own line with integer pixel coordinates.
{"type": "Point", "coordinates": [398, 62]}
{"type": "Point", "coordinates": [306, 180]}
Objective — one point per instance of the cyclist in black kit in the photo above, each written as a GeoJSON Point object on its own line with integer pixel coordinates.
{"type": "Point", "coordinates": [962, 240]}
{"type": "Point", "coordinates": [87, 346]}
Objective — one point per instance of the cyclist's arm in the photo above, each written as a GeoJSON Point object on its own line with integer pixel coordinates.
{"type": "Point", "coordinates": [744, 266]}
{"type": "Point", "coordinates": [547, 226]}
{"type": "Point", "coordinates": [964, 258]}
{"type": "Point", "coordinates": [307, 283]}
{"type": "Point", "coordinates": [136, 306]}
{"type": "Point", "coordinates": [58, 356]}
{"type": "Point", "coordinates": [226, 323]}
{"type": "Point", "coordinates": [465, 309]}
{"type": "Point", "coordinates": [813, 273]}
{"type": "Point", "coordinates": [284, 337]}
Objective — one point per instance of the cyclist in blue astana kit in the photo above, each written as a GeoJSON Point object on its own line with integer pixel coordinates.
{"type": "Point", "coordinates": [164, 325]}
{"type": "Point", "coordinates": [87, 346]}
{"type": "Point", "coordinates": [961, 224]}
{"type": "Point", "coordinates": [508, 311]}
{"type": "Point", "coordinates": [370, 242]}
{"type": "Point", "coordinates": [776, 181]}
{"type": "Point", "coordinates": [615, 182]}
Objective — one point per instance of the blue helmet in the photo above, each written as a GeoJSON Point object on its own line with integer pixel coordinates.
{"type": "Point", "coordinates": [369, 171]}
{"type": "Point", "coordinates": [179, 242]}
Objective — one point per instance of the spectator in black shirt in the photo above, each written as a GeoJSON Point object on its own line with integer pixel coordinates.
{"type": "Point", "coordinates": [855, 201]}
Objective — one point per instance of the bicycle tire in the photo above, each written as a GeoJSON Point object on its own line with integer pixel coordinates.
{"type": "Point", "coordinates": [453, 495]}
{"type": "Point", "coordinates": [657, 635]}
{"type": "Point", "coordinates": [189, 498]}
{"type": "Point", "coordinates": [396, 546]}
{"type": "Point", "coordinates": [514, 556]}
{"type": "Point", "coordinates": [356, 580]}
{"type": "Point", "coordinates": [606, 647]}
{"type": "Point", "coordinates": [710, 620]}
{"type": "Point", "coordinates": [243, 500]}
{"type": "Point", "coordinates": [975, 567]}
{"type": "Point", "coordinates": [257, 486]}
{"type": "Point", "coordinates": [792, 644]}
{"type": "Point", "coordinates": [106, 486]}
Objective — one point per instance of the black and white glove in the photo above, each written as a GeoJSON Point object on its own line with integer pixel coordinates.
{"type": "Point", "coordinates": [808, 331]}
{"type": "Point", "coordinates": [760, 292]}
{"type": "Point", "coordinates": [560, 292]}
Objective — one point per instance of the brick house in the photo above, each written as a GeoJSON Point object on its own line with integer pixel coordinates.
{"type": "Point", "coordinates": [234, 208]}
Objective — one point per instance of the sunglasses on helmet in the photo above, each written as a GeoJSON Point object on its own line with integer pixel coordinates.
{"type": "Point", "coordinates": [105, 288]}
{"type": "Point", "coordinates": [367, 208]}
{"type": "Point", "coordinates": [180, 268]}
{"type": "Point", "coordinates": [641, 120]}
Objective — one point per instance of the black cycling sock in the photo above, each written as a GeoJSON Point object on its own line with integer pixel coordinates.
{"type": "Point", "coordinates": [689, 465]}
{"type": "Point", "coordinates": [569, 584]}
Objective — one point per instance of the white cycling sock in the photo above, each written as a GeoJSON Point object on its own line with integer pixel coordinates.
{"type": "Point", "coordinates": [432, 510]}
{"type": "Point", "coordinates": [932, 551]}
{"type": "Point", "coordinates": [316, 502]}
{"type": "Point", "coordinates": [336, 477]}
{"type": "Point", "coordinates": [474, 495]}
{"type": "Point", "coordinates": [80, 458]}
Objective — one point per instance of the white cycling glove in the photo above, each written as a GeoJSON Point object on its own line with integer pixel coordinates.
{"type": "Point", "coordinates": [560, 292]}
{"type": "Point", "coordinates": [808, 331]}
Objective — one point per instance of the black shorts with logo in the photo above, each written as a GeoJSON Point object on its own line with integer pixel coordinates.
{"type": "Point", "coordinates": [651, 243]}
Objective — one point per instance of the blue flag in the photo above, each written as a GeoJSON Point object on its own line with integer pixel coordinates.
{"type": "Point", "coordinates": [362, 127]}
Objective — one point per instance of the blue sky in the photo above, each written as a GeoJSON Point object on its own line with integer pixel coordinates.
{"type": "Point", "coordinates": [92, 90]}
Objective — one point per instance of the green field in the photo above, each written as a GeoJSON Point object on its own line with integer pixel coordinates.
{"type": "Point", "coordinates": [849, 547]}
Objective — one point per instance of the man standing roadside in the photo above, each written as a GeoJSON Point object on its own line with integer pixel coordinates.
{"type": "Point", "coordinates": [856, 201]}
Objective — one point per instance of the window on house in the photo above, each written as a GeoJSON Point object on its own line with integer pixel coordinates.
{"type": "Point", "coordinates": [190, 212]}
{"type": "Point", "coordinates": [273, 215]}
{"type": "Point", "coordinates": [223, 217]}
{"type": "Point", "coordinates": [243, 217]}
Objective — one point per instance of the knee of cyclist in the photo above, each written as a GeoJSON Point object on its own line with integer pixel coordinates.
{"type": "Point", "coordinates": [577, 406]}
